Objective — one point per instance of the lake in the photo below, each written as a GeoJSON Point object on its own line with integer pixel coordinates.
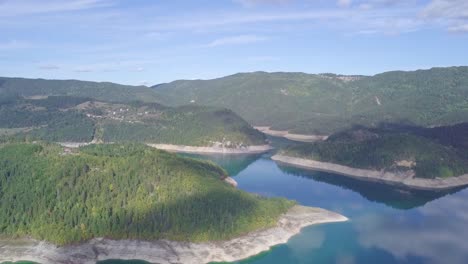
{"type": "Point", "coordinates": [386, 225]}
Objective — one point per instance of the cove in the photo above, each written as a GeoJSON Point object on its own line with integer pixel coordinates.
{"type": "Point", "coordinates": [387, 225]}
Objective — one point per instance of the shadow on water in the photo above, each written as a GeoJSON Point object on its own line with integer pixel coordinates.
{"type": "Point", "coordinates": [393, 196]}
{"type": "Point", "coordinates": [233, 164]}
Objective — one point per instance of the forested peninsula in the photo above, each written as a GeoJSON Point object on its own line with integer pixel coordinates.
{"type": "Point", "coordinates": [58, 204]}
{"type": "Point", "coordinates": [414, 157]}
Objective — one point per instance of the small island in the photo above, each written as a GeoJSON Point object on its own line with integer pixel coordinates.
{"type": "Point", "coordinates": [127, 201]}
{"type": "Point", "coordinates": [416, 158]}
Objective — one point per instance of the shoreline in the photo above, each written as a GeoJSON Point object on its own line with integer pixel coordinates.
{"type": "Point", "coordinates": [167, 252]}
{"type": "Point", "coordinates": [291, 136]}
{"type": "Point", "coordinates": [401, 180]}
{"type": "Point", "coordinates": [255, 149]}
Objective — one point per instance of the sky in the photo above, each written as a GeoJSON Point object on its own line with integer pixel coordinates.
{"type": "Point", "coordinates": [144, 42]}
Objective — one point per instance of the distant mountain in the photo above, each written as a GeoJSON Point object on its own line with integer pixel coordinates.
{"type": "Point", "coordinates": [326, 103]}
{"type": "Point", "coordinates": [76, 119]}
{"type": "Point", "coordinates": [98, 90]}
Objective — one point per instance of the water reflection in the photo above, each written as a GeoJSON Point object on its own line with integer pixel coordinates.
{"type": "Point", "coordinates": [435, 232]}
{"type": "Point", "coordinates": [386, 226]}
{"type": "Point", "coordinates": [233, 164]}
{"type": "Point", "coordinates": [399, 198]}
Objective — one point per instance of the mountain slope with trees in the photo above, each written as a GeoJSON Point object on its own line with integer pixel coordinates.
{"type": "Point", "coordinates": [122, 192]}
{"type": "Point", "coordinates": [426, 151]}
{"type": "Point", "coordinates": [76, 119]}
{"type": "Point", "coordinates": [327, 103]}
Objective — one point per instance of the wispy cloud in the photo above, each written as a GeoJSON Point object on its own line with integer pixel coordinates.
{"type": "Point", "coordinates": [450, 13]}
{"type": "Point", "coordinates": [49, 67]}
{"type": "Point", "coordinates": [14, 44]}
{"type": "Point", "coordinates": [344, 3]}
{"type": "Point", "coordinates": [252, 3]}
{"type": "Point", "coordinates": [459, 28]}
{"type": "Point", "coordinates": [235, 40]}
{"type": "Point", "coordinates": [84, 70]}
{"type": "Point", "coordinates": [29, 7]}
{"type": "Point", "coordinates": [262, 58]}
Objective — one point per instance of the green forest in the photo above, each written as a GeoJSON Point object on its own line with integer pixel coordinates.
{"type": "Point", "coordinates": [431, 154]}
{"type": "Point", "coordinates": [76, 119]}
{"type": "Point", "coordinates": [328, 103]}
{"type": "Point", "coordinates": [187, 125]}
{"type": "Point", "coordinates": [122, 191]}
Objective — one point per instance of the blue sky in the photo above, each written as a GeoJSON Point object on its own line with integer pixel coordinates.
{"type": "Point", "coordinates": [149, 42]}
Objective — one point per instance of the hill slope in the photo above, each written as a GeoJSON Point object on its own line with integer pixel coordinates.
{"type": "Point", "coordinates": [326, 103]}
{"type": "Point", "coordinates": [122, 191]}
{"type": "Point", "coordinates": [75, 119]}
{"type": "Point", "coordinates": [98, 90]}
{"type": "Point", "coordinates": [424, 152]}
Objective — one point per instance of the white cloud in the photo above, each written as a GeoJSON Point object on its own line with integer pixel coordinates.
{"type": "Point", "coordinates": [251, 3]}
{"type": "Point", "coordinates": [435, 239]}
{"type": "Point", "coordinates": [14, 44]}
{"type": "Point", "coordinates": [30, 7]}
{"type": "Point", "coordinates": [49, 67]}
{"type": "Point", "coordinates": [236, 40]}
{"type": "Point", "coordinates": [262, 58]}
{"type": "Point", "coordinates": [459, 28]}
{"type": "Point", "coordinates": [344, 3]}
{"type": "Point", "coordinates": [84, 70]}
{"type": "Point", "coordinates": [453, 9]}
{"type": "Point", "coordinates": [453, 14]}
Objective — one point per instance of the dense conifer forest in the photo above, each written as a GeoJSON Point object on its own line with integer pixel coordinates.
{"type": "Point", "coordinates": [76, 119]}
{"type": "Point", "coordinates": [122, 191]}
{"type": "Point", "coordinates": [430, 152]}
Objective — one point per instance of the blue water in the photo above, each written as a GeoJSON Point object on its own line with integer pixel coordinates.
{"type": "Point", "coordinates": [386, 225]}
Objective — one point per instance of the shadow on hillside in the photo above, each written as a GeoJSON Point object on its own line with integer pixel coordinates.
{"type": "Point", "coordinates": [233, 164]}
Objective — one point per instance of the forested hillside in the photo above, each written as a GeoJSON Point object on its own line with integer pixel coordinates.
{"type": "Point", "coordinates": [425, 151]}
{"type": "Point", "coordinates": [122, 191]}
{"type": "Point", "coordinates": [327, 103]}
{"type": "Point", "coordinates": [107, 91]}
{"type": "Point", "coordinates": [76, 119]}
{"type": "Point", "coordinates": [299, 102]}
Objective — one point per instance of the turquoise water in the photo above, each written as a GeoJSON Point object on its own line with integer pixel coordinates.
{"type": "Point", "coordinates": [386, 225]}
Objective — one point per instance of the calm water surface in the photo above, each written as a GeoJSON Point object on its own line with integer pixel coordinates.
{"type": "Point", "coordinates": [386, 225]}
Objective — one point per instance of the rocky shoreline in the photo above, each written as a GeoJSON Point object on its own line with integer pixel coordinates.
{"type": "Point", "coordinates": [213, 150]}
{"type": "Point", "coordinates": [398, 179]}
{"type": "Point", "coordinates": [255, 149]}
{"type": "Point", "coordinates": [291, 136]}
{"type": "Point", "coordinates": [169, 252]}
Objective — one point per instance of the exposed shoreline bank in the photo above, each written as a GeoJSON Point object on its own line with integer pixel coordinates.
{"type": "Point", "coordinates": [402, 180]}
{"type": "Point", "coordinates": [255, 149]}
{"type": "Point", "coordinates": [166, 252]}
{"type": "Point", "coordinates": [213, 150]}
{"type": "Point", "coordinates": [291, 136]}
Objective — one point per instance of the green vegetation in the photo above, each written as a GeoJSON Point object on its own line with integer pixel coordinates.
{"type": "Point", "coordinates": [38, 88]}
{"type": "Point", "coordinates": [75, 119]}
{"type": "Point", "coordinates": [122, 191]}
{"type": "Point", "coordinates": [327, 103]}
{"type": "Point", "coordinates": [189, 125]}
{"type": "Point", "coordinates": [379, 149]}
{"type": "Point", "coordinates": [45, 119]}
{"type": "Point", "coordinates": [299, 102]}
